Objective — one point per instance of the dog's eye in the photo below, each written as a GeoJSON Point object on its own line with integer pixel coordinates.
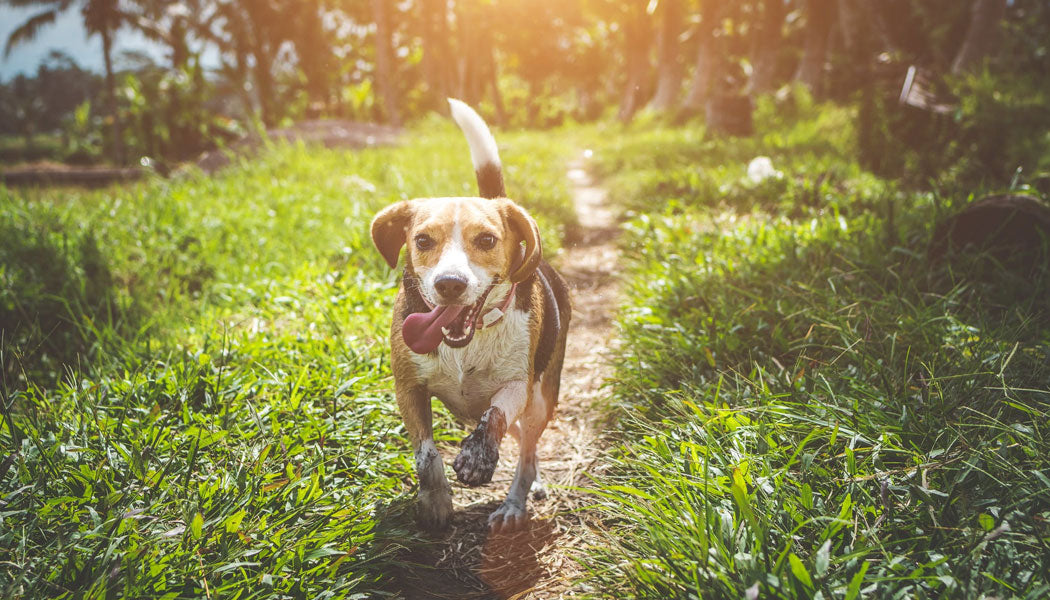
{"type": "Point", "coordinates": [424, 242]}
{"type": "Point", "coordinates": [485, 241]}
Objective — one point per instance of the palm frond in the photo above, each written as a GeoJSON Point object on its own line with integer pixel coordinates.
{"type": "Point", "coordinates": [28, 30]}
{"type": "Point", "coordinates": [152, 29]}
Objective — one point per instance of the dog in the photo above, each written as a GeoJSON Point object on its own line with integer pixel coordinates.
{"type": "Point", "coordinates": [480, 322]}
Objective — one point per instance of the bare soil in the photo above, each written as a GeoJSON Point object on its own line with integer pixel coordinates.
{"type": "Point", "coordinates": [52, 174]}
{"type": "Point", "coordinates": [469, 563]}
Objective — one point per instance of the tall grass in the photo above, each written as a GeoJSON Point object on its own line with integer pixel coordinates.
{"type": "Point", "coordinates": [196, 392]}
{"type": "Point", "coordinates": [808, 406]}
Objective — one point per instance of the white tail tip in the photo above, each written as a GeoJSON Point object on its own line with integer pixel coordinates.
{"type": "Point", "coordinates": [483, 149]}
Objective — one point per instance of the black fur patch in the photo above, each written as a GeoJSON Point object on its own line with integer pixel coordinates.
{"type": "Point", "coordinates": [555, 305]}
{"type": "Point", "coordinates": [523, 297]}
{"type": "Point", "coordinates": [413, 299]}
{"type": "Point", "coordinates": [490, 181]}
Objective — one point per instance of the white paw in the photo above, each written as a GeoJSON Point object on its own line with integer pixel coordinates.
{"type": "Point", "coordinates": [539, 491]}
{"type": "Point", "coordinates": [508, 517]}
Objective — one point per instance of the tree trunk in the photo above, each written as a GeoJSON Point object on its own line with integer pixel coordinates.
{"type": "Point", "coordinates": [669, 79]}
{"type": "Point", "coordinates": [264, 87]}
{"type": "Point", "coordinates": [768, 35]}
{"type": "Point", "coordinates": [384, 75]}
{"type": "Point", "coordinates": [240, 78]}
{"type": "Point", "coordinates": [985, 16]}
{"type": "Point", "coordinates": [315, 56]}
{"type": "Point", "coordinates": [436, 54]}
{"type": "Point", "coordinates": [709, 59]}
{"type": "Point", "coordinates": [850, 23]}
{"type": "Point", "coordinates": [820, 16]}
{"type": "Point", "coordinates": [261, 43]}
{"type": "Point", "coordinates": [497, 95]}
{"type": "Point", "coordinates": [111, 98]}
{"type": "Point", "coordinates": [863, 37]}
{"type": "Point", "coordinates": [178, 135]}
{"type": "Point", "coordinates": [636, 41]}
{"type": "Point", "coordinates": [469, 58]}
{"type": "Point", "coordinates": [863, 26]}
{"type": "Point", "coordinates": [859, 27]}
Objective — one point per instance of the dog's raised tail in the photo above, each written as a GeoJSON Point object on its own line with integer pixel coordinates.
{"type": "Point", "coordinates": [483, 150]}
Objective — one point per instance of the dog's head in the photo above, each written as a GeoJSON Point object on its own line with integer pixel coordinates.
{"type": "Point", "coordinates": [458, 247]}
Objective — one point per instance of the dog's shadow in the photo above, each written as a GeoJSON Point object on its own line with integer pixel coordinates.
{"type": "Point", "coordinates": [469, 562]}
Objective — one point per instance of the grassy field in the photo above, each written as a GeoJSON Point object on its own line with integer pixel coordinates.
{"type": "Point", "coordinates": [197, 401]}
{"type": "Point", "coordinates": [196, 395]}
{"type": "Point", "coordinates": [808, 406]}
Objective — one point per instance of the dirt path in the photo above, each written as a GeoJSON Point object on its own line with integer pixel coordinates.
{"type": "Point", "coordinates": [537, 562]}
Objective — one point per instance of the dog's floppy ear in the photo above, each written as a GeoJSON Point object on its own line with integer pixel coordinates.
{"type": "Point", "coordinates": [390, 229]}
{"type": "Point", "coordinates": [525, 230]}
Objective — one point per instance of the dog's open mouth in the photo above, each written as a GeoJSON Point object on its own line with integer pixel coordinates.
{"type": "Point", "coordinates": [454, 324]}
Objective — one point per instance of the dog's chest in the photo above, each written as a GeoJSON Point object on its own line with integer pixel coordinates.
{"type": "Point", "coordinates": [465, 379]}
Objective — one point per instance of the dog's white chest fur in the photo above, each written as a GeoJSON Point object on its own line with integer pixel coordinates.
{"type": "Point", "coordinates": [465, 379]}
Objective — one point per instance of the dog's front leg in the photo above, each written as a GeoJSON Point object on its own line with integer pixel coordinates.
{"type": "Point", "coordinates": [479, 451]}
{"type": "Point", "coordinates": [513, 514]}
{"type": "Point", "coordinates": [435, 495]}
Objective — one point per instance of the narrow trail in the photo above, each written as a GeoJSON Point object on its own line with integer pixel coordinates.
{"type": "Point", "coordinates": [469, 563]}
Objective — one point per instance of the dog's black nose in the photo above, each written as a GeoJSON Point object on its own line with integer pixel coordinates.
{"type": "Point", "coordinates": [450, 288]}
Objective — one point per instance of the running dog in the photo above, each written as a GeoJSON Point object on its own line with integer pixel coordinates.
{"type": "Point", "coordinates": [480, 323]}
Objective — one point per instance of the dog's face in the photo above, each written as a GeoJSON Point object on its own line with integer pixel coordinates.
{"type": "Point", "coordinates": [458, 247]}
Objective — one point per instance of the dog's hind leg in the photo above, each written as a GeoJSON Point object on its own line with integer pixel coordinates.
{"type": "Point", "coordinates": [513, 513]}
{"type": "Point", "coordinates": [539, 491]}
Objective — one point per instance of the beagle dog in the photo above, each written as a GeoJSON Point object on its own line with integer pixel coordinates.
{"type": "Point", "coordinates": [480, 323]}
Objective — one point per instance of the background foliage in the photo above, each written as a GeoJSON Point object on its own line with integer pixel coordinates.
{"type": "Point", "coordinates": [540, 63]}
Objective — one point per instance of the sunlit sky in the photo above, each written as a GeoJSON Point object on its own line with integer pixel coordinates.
{"type": "Point", "coordinates": [66, 34]}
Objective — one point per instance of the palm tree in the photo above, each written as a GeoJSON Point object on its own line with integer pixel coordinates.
{"type": "Point", "coordinates": [385, 69]}
{"type": "Point", "coordinates": [101, 17]}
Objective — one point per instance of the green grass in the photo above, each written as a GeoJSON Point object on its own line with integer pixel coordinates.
{"type": "Point", "coordinates": [808, 407]}
{"type": "Point", "coordinates": [196, 400]}
{"type": "Point", "coordinates": [196, 392]}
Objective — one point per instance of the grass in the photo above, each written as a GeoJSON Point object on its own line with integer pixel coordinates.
{"type": "Point", "coordinates": [196, 392]}
{"type": "Point", "coordinates": [196, 400]}
{"type": "Point", "coordinates": [808, 407]}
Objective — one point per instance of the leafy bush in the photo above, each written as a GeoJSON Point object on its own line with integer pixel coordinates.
{"type": "Point", "coordinates": [998, 126]}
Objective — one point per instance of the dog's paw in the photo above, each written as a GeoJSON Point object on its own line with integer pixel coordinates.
{"type": "Point", "coordinates": [434, 509]}
{"type": "Point", "coordinates": [539, 491]}
{"type": "Point", "coordinates": [477, 459]}
{"type": "Point", "coordinates": [509, 517]}
{"type": "Point", "coordinates": [479, 452]}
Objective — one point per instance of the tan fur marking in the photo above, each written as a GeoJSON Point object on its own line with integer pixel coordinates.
{"type": "Point", "coordinates": [399, 225]}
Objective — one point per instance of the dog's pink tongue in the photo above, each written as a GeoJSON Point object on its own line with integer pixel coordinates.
{"type": "Point", "coordinates": [422, 331]}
